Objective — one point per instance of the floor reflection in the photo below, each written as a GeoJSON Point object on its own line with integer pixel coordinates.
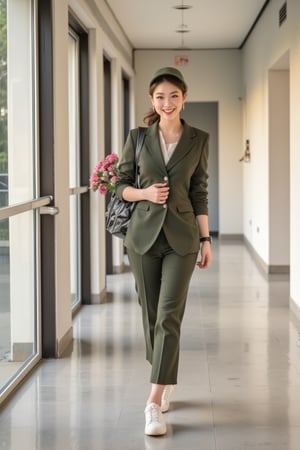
{"type": "Point", "coordinates": [239, 378]}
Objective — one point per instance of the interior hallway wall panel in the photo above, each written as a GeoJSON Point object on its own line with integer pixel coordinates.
{"type": "Point", "coordinates": [259, 56]}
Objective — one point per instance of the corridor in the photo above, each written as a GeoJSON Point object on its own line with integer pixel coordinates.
{"type": "Point", "coordinates": [239, 376]}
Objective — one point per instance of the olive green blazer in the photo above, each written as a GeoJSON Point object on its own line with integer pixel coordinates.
{"type": "Point", "coordinates": [186, 174]}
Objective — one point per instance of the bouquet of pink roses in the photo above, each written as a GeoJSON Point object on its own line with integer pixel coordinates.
{"type": "Point", "coordinates": [104, 176]}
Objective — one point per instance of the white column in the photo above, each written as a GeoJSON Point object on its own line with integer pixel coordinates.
{"type": "Point", "coordinates": [98, 274]}
{"type": "Point", "coordinates": [117, 144]}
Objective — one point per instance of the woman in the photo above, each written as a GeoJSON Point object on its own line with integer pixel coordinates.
{"type": "Point", "coordinates": [163, 236]}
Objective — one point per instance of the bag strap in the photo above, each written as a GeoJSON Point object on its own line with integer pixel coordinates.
{"type": "Point", "coordinates": [138, 148]}
{"type": "Point", "coordinates": [139, 142]}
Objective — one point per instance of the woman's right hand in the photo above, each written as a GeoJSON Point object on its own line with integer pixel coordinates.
{"type": "Point", "coordinates": [157, 193]}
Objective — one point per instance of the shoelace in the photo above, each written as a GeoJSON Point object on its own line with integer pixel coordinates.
{"type": "Point", "coordinates": [153, 414]}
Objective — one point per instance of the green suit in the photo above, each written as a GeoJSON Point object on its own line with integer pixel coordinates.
{"type": "Point", "coordinates": [163, 240]}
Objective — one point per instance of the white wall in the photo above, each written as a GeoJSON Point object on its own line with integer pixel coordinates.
{"type": "Point", "coordinates": [264, 49]}
{"type": "Point", "coordinates": [294, 6]}
{"type": "Point", "coordinates": [212, 76]}
{"type": "Point", "coordinates": [279, 168]}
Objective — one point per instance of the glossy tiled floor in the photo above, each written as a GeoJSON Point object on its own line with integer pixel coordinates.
{"type": "Point", "coordinates": [239, 378]}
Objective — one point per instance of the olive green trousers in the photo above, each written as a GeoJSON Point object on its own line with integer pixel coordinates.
{"type": "Point", "coordinates": [162, 280]}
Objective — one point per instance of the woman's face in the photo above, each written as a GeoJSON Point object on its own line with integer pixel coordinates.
{"type": "Point", "coordinates": [167, 100]}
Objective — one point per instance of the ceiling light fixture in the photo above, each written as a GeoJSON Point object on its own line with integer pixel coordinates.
{"type": "Point", "coordinates": [183, 27]}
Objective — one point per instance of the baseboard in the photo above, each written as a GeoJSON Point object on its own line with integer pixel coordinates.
{"type": "Point", "coordinates": [119, 269]}
{"type": "Point", "coordinates": [97, 299]}
{"type": "Point", "coordinates": [279, 269]}
{"type": "Point", "coordinates": [266, 268]}
{"type": "Point", "coordinates": [231, 237]}
{"type": "Point", "coordinates": [64, 343]}
{"type": "Point", "coordinates": [295, 312]}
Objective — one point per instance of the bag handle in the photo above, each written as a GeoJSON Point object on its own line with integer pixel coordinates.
{"type": "Point", "coordinates": [138, 148]}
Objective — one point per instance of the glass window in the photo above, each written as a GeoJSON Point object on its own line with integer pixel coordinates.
{"type": "Point", "coordinates": [18, 340]}
{"type": "Point", "coordinates": [74, 168]}
{"type": "Point", "coordinates": [18, 263]}
{"type": "Point", "coordinates": [3, 120]}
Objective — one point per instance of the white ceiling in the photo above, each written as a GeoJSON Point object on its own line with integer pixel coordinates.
{"type": "Point", "coordinates": [212, 23]}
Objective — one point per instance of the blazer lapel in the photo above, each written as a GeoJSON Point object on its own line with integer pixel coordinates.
{"type": "Point", "coordinates": [183, 147]}
{"type": "Point", "coordinates": [152, 143]}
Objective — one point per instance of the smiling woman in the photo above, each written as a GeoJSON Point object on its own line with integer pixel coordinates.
{"type": "Point", "coordinates": [163, 235]}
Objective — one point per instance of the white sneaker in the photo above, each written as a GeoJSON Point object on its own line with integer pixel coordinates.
{"type": "Point", "coordinates": [155, 423]}
{"type": "Point", "coordinates": [165, 398]}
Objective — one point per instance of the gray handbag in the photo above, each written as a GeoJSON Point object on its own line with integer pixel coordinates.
{"type": "Point", "coordinates": [118, 213]}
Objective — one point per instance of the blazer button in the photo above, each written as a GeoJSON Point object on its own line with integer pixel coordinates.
{"type": "Point", "coordinates": [166, 179]}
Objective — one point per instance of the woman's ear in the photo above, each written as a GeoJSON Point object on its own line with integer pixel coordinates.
{"type": "Point", "coordinates": [152, 103]}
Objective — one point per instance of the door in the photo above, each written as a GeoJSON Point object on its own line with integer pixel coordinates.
{"type": "Point", "coordinates": [204, 115]}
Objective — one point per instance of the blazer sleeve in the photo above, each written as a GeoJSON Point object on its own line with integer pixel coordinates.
{"type": "Point", "coordinates": [126, 167]}
{"type": "Point", "coordinates": [199, 181]}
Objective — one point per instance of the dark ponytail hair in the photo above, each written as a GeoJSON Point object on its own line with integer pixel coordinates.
{"type": "Point", "coordinates": [151, 117]}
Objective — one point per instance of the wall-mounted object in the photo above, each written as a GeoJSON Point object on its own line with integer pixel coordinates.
{"type": "Point", "coordinates": [247, 155]}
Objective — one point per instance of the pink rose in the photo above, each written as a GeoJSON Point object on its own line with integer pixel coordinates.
{"type": "Point", "coordinates": [102, 189]}
{"type": "Point", "coordinates": [112, 158]}
{"type": "Point", "coordinates": [94, 178]}
{"type": "Point", "coordinates": [99, 166]}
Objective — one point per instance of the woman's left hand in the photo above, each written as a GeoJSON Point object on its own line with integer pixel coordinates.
{"type": "Point", "coordinates": [206, 256]}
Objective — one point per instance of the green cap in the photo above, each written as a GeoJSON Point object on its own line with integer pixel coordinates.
{"type": "Point", "coordinates": [168, 71]}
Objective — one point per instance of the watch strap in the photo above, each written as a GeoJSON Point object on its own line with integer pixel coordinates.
{"type": "Point", "coordinates": [206, 238]}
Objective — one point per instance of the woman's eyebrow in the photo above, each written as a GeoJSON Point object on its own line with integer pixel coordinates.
{"type": "Point", "coordinates": [163, 93]}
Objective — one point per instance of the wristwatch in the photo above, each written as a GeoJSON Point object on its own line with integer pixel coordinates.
{"type": "Point", "coordinates": [206, 238]}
